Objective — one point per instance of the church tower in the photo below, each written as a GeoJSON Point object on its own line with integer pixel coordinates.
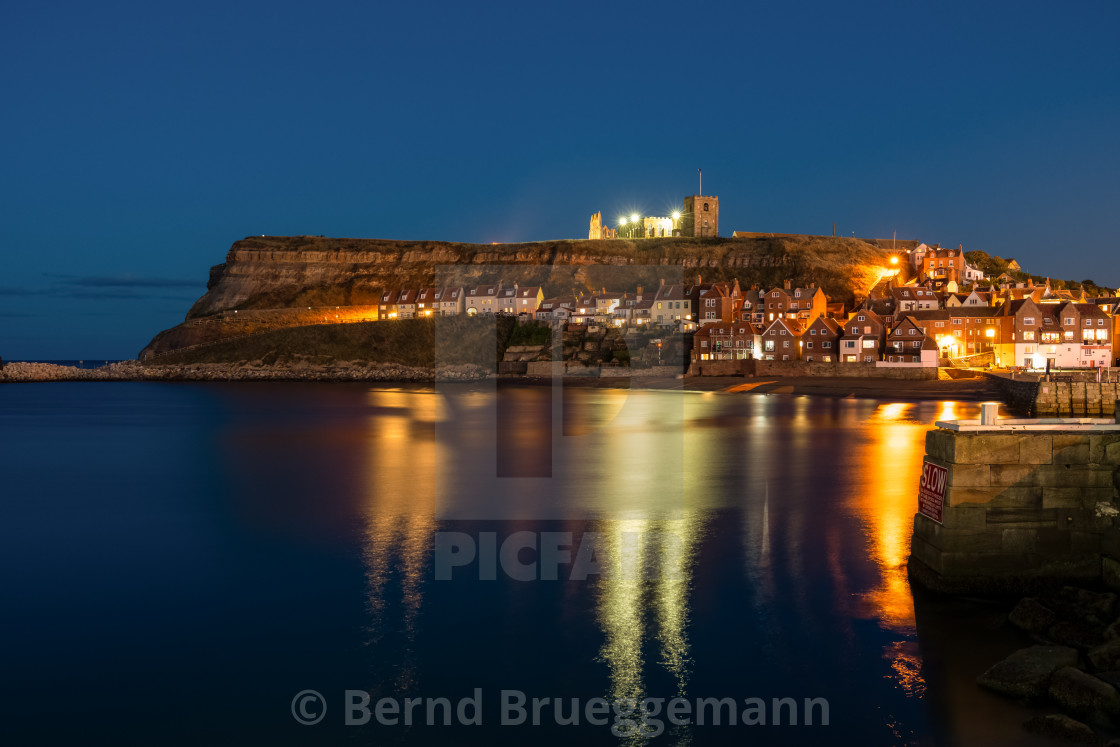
{"type": "Point", "coordinates": [700, 217]}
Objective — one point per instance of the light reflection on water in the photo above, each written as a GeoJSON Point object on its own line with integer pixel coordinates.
{"type": "Point", "coordinates": [759, 457]}
{"type": "Point", "coordinates": [235, 544]}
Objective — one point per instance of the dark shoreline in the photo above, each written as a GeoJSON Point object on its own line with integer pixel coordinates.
{"type": "Point", "coordinates": [967, 390]}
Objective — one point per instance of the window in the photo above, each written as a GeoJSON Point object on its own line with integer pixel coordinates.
{"type": "Point", "coordinates": [861, 318]}
{"type": "Point", "coordinates": [916, 344]}
{"type": "Point", "coordinates": [867, 359]}
{"type": "Point", "coordinates": [1028, 335]}
{"type": "Point", "coordinates": [809, 344]}
{"type": "Point", "coordinates": [813, 331]}
{"type": "Point", "coordinates": [703, 343]}
{"type": "Point", "coordinates": [939, 324]}
{"type": "Point", "coordinates": [705, 207]}
{"type": "Point", "coordinates": [956, 321]}
{"type": "Point", "coordinates": [850, 344]}
{"type": "Point", "coordinates": [797, 293]}
{"type": "Point", "coordinates": [1029, 321]}
{"type": "Point", "coordinates": [1100, 322]}
{"type": "Point", "coordinates": [785, 343]}
{"type": "Point", "coordinates": [913, 331]}
{"type": "Point", "coordinates": [1088, 322]}
{"type": "Point", "coordinates": [870, 343]}
{"type": "Point", "coordinates": [826, 344]}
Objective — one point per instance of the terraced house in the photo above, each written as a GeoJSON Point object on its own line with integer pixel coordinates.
{"type": "Point", "coordinates": [822, 340]}
{"type": "Point", "coordinates": [717, 341]}
{"type": "Point", "coordinates": [864, 335]}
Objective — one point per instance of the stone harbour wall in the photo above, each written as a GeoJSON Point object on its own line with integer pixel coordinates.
{"type": "Point", "coordinates": [1021, 508]}
{"type": "Point", "coordinates": [1076, 398]}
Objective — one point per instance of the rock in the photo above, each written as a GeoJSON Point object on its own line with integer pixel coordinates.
{"type": "Point", "coordinates": [1112, 632]}
{"type": "Point", "coordinates": [1079, 692]}
{"type": "Point", "coordinates": [1058, 726]}
{"type": "Point", "coordinates": [1112, 678]}
{"type": "Point", "coordinates": [1077, 633]}
{"type": "Point", "coordinates": [1031, 615]}
{"type": "Point", "coordinates": [1026, 672]}
{"type": "Point", "coordinates": [1080, 603]}
{"type": "Point", "coordinates": [1106, 657]}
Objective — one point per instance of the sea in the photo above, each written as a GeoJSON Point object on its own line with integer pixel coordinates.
{"type": "Point", "coordinates": [306, 563]}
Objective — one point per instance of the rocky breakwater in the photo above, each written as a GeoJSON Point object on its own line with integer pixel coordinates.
{"type": "Point", "coordinates": [300, 369]}
{"type": "Point", "coordinates": [278, 272]}
{"type": "Point", "coordinates": [1073, 670]}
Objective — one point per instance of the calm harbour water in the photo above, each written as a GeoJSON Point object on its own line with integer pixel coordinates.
{"type": "Point", "coordinates": [181, 559]}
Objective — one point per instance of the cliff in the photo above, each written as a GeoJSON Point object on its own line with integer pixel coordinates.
{"type": "Point", "coordinates": [296, 272]}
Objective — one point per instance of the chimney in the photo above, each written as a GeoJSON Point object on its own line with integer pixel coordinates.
{"type": "Point", "coordinates": [788, 284]}
{"type": "Point", "coordinates": [639, 293]}
{"type": "Point", "coordinates": [699, 280]}
{"type": "Point", "coordinates": [663, 281]}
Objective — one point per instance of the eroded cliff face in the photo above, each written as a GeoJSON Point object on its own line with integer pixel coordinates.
{"type": "Point", "coordinates": [277, 272]}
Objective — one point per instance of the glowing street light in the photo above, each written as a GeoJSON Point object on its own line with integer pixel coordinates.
{"type": "Point", "coordinates": [894, 260]}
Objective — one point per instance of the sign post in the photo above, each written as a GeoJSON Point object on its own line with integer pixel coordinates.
{"type": "Point", "coordinates": [931, 490]}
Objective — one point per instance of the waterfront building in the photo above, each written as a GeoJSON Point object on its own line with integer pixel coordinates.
{"type": "Point", "coordinates": [822, 340]}
{"type": "Point", "coordinates": [864, 335]}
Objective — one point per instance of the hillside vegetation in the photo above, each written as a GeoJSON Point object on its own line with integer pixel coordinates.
{"type": "Point", "coordinates": [444, 341]}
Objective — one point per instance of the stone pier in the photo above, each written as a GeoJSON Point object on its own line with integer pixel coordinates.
{"type": "Point", "coordinates": [1021, 504]}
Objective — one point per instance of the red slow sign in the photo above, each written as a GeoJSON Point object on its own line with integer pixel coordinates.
{"type": "Point", "coordinates": [931, 490]}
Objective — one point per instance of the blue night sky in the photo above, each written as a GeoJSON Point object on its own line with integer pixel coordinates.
{"type": "Point", "coordinates": [141, 139]}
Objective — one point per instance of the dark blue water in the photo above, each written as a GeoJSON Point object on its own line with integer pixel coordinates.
{"type": "Point", "coordinates": [180, 560]}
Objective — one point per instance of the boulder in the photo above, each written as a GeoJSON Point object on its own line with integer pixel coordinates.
{"type": "Point", "coordinates": [1026, 672]}
{"type": "Point", "coordinates": [1077, 633]}
{"type": "Point", "coordinates": [1074, 603]}
{"type": "Point", "coordinates": [1079, 692]}
{"type": "Point", "coordinates": [1112, 632]}
{"type": "Point", "coordinates": [1031, 615]}
{"type": "Point", "coordinates": [1106, 657]}
{"type": "Point", "coordinates": [1057, 726]}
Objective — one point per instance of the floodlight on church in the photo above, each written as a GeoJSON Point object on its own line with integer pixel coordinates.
{"type": "Point", "coordinates": [676, 215]}
{"type": "Point", "coordinates": [622, 221]}
{"type": "Point", "coordinates": [634, 218]}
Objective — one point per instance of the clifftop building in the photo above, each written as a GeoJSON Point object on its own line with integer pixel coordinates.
{"type": "Point", "coordinates": [698, 217]}
{"type": "Point", "coordinates": [598, 230]}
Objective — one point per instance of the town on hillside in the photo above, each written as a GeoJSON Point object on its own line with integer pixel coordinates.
{"type": "Point", "coordinates": [930, 308]}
